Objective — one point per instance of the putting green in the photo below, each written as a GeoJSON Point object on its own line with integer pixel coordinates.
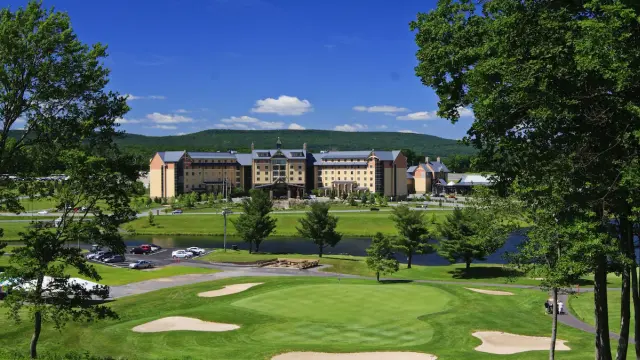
{"type": "Point", "coordinates": [341, 313]}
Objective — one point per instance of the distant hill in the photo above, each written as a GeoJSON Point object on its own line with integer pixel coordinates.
{"type": "Point", "coordinates": [317, 140]}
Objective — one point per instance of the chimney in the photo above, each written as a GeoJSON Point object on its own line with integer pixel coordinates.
{"type": "Point", "coordinates": [252, 147]}
{"type": "Point", "coordinates": [304, 146]}
{"type": "Point", "coordinates": [426, 159]}
{"type": "Point", "coordinates": [438, 159]}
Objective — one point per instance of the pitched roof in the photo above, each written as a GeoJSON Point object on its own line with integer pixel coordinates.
{"type": "Point", "coordinates": [244, 159]}
{"type": "Point", "coordinates": [170, 156]}
{"type": "Point", "coordinates": [211, 155]}
{"type": "Point", "coordinates": [288, 153]}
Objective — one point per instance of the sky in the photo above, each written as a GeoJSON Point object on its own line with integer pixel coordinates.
{"type": "Point", "coordinates": [192, 65]}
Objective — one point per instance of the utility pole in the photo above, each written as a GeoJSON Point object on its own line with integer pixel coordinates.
{"type": "Point", "coordinates": [225, 212]}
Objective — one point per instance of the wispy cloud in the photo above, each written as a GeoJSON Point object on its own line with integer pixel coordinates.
{"type": "Point", "coordinates": [294, 126]}
{"type": "Point", "coordinates": [168, 118]}
{"type": "Point", "coordinates": [388, 109]}
{"type": "Point", "coordinates": [248, 123]}
{"type": "Point", "coordinates": [433, 115]}
{"type": "Point", "coordinates": [182, 111]}
{"type": "Point", "coordinates": [131, 97]}
{"type": "Point", "coordinates": [165, 127]}
{"type": "Point", "coordinates": [283, 105]}
{"type": "Point", "coordinates": [408, 132]}
{"type": "Point", "coordinates": [127, 121]}
{"type": "Point", "coordinates": [350, 127]}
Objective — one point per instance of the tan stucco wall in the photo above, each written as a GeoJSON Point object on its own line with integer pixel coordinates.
{"type": "Point", "coordinates": [170, 180]}
{"type": "Point", "coordinates": [401, 181]}
{"type": "Point", "coordinates": [155, 177]}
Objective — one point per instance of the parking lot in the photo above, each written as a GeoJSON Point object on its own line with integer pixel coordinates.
{"type": "Point", "coordinates": [161, 257]}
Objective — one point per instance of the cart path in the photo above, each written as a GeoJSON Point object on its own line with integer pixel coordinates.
{"type": "Point", "coordinates": [231, 271]}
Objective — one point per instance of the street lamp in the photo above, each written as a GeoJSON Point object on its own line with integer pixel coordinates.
{"type": "Point", "coordinates": [225, 212]}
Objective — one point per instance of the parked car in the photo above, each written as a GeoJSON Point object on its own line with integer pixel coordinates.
{"type": "Point", "coordinates": [196, 250]}
{"type": "Point", "coordinates": [114, 259]}
{"type": "Point", "coordinates": [146, 247]}
{"type": "Point", "coordinates": [94, 255]}
{"type": "Point", "coordinates": [138, 251]}
{"type": "Point", "coordinates": [103, 256]}
{"type": "Point", "coordinates": [181, 254]}
{"type": "Point", "coordinates": [95, 248]}
{"type": "Point", "coordinates": [155, 247]}
{"type": "Point", "coordinates": [141, 264]}
{"type": "Point", "coordinates": [43, 212]}
{"type": "Point", "coordinates": [375, 209]}
{"type": "Point", "coordinates": [176, 211]}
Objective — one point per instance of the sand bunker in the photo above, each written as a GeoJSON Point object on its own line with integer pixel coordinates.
{"type": "Point", "coordinates": [495, 342]}
{"type": "Point", "coordinates": [228, 290]}
{"type": "Point", "coordinates": [491, 292]}
{"type": "Point", "coordinates": [354, 356]}
{"type": "Point", "coordinates": [179, 323]}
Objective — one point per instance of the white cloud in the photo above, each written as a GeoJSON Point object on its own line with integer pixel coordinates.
{"type": "Point", "coordinates": [294, 126]}
{"type": "Point", "coordinates": [165, 127]}
{"type": "Point", "coordinates": [168, 118]}
{"type": "Point", "coordinates": [131, 97]}
{"type": "Point", "coordinates": [432, 115]}
{"type": "Point", "coordinates": [284, 105]}
{"type": "Point", "coordinates": [420, 115]}
{"type": "Point", "coordinates": [248, 123]}
{"type": "Point", "coordinates": [127, 121]}
{"type": "Point", "coordinates": [350, 128]}
{"type": "Point", "coordinates": [181, 133]}
{"type": "Point", "coordinates": [408, 132]}
{"type": "Point", "coordinates": [380, 109]}
{"type": "Point", "coordinates": [182, 111]}
{"type": "Point", "coordinates": [381, 127]}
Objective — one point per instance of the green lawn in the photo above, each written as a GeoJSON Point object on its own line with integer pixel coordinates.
{"type": "Point", "coordinates": [38, 204]}
{"type": "Point", "coordinates": [11, 230]}
{"type": "Point", "coordinates": [582, 307]}
{"type": "Point", "coordinates": [113, 276]}
{"type": "Point", "coordinates": [349, 224]}
{"type": "Point", "coordinates": [308, 314]}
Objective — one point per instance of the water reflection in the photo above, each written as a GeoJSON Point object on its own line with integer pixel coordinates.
{"type": "Point", "coordinates": [350, 246]}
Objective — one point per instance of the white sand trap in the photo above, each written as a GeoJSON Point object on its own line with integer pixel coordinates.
{"type": "Point", "coordinates": [355, 356]}
{"type": "Point", "coordinates": [229, 289]}
{"type": "Point", "coordinates": [179, 323]}
{"type": "Point", "coordinates": [491, 292]}
{"type": "Point", "coordinates": [495, 342]}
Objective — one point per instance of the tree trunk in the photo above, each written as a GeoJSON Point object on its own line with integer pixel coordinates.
{"type": "Point", "coordinates": [378, 276]}
{"type": "Point", "coordinates": [635, 295]}
{"type": "Point", "coordinates": [468, 262]}
{"type": "Point", "coordinates": [409, 257]}
{"type": "Point", "coordinates": [319, 250]}
{"type": "Point", "coordinates": [623, 341]}
{"type": "Point", "coordinates": [603, 345]}
{"type": "Point", "coordinates": [257, 246]}
{"type": "Point", "coordinates": [250, 246]}
{"type": "Point", "coordinates": [554, 325]}
{"type": "Point", "coordinates": [36, 334]}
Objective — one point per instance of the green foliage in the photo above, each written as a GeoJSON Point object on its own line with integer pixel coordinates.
{"type": "Point", "coordinates": [352, 199]}
{"type": "Point", "coordinates": [319, 226]}
{"type": "Point", "coordinates": [255, 224]}
{"type": "Point", "coordinates": [363, 198]}
{"type": "Point", "coordinates": [56, 85]}
{"type": "Point", "coordinates": [414, 235]}
{"type": "Point", "coordinates": [380, 257]}
{"type": "Point", "coordinates": [151, 219]}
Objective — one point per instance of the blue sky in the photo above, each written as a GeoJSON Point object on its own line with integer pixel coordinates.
{"type": "Point", "coordinates": [193, 65]}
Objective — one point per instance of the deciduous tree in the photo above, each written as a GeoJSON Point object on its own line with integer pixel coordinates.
{"type": "Point", "coordinates": [414, 234]}
{"type": "Point", "coordinates": [319, 226]}
{"type": "Point", "coordinates": [380, 256]}
{"type": "Point", "coordinates": [255, 224]}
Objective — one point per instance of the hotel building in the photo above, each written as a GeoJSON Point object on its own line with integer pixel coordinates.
{"type": "Point", "coordinates": [282, 172]}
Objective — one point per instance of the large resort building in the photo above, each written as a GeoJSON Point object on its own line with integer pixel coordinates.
{"type": "Point", "coordinates": [283, 172]}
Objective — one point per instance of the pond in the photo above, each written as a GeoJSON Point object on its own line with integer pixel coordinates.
{"type": "Point", "coordinates": [348, 246]}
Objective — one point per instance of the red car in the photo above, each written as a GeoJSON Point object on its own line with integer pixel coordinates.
{"type": "Point", "coordinates": [146, 248]}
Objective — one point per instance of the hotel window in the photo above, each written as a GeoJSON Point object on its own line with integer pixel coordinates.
{"type": "Point", "coordinates": [338, 177]}
{"type": "Point", "coordinates": [358, 172]}
{"type": "Point", "coordinates": [290, 178]}
{"type": "Point", "coordinates": [299, 166]}
{"type": "Point", "coordinates": [299, 179]}
{"type": "Point", "coordinates": [370, 172]}
{"type": "Point", "coordinates": [332, 178]}
{"type": "Point", "coordinates": [193, 173]}
{"type": "Point", "coordinates": [266, 167]}
{"type": "Point", "coordinates": [299, 172]}
{"type": "Point", "coordinates": [290, 172]}
{"type": "Point", "coordinates": [352, 178]}
{"type": "Point", "coordinates": [351, 172]}
{"type": "Point", "coordinates": [338, 172]}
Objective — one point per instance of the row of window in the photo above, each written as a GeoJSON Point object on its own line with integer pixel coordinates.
{"type": "Point", "coordinates": [267, 179]}
{"type": "Point", "coordinates": [266, 167]}
{"type": "Point", "coordinates": [196, 186]}
{"type": "Point", "coordinates": [358, 172]}
{"type": "Point", "coordinates": [329, 184]}
{"type": "Point", "coordinates": [214, 161]}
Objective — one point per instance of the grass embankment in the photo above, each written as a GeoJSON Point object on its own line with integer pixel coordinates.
{"type": "Point", "coordinates": [349, 224]}
{"type": "Point", "coordinates": [582, 307]}
{"type": "Point", "coordinates": [355, 265]}
{"type": "Point", "coordinates": [308, 314]}
{"type": "Point", "coordinates": [114, 276]}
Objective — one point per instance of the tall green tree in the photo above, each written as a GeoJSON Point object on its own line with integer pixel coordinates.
{"type": "Point", "coordinates": [380, 256]}
{"type": "Point", "coordinates": [319, 226]}
{"type": "Point", "coordinates": [255, 224]}
{"type": "Point", "coordinates": [553, 87]}
{"type": "Point", "coordinates": [413, 231]}
{"type": "Point", "coordinates": [53, 86]}
{"type": "Point", "coordinates": [458, 241]}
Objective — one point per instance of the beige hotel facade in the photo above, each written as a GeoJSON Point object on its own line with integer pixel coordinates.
{"type": "Point", "coordinates": [285, 173]}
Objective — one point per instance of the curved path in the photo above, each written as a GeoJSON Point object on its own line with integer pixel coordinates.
{"type": "Point", "coordinates": [231, 271]}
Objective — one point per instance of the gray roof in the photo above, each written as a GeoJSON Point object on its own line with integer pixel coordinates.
{"type": "Point", "coordinates": [288, 153]}
{"type": "Point", "coordinates": [170, 156]}
{"type": "Point", "coordinates": [409, 176]}
{"type": "Point", "coordinates": [211, 155]}
{"type": "Point", "coordinates": [362, 154]}
{"type": "Point", "coordinates": [244, 159]}
{"type": "Point", "coordinates": [438, 166]}
{"type": "Point", "coordinates": [412, 169]}
{"type": "Point", "coordinates": [352, 163]}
